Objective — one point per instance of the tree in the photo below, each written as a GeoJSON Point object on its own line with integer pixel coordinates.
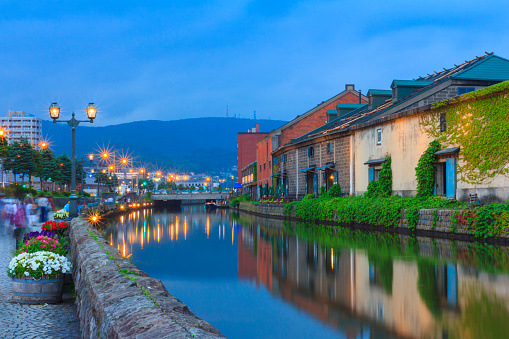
{"type": "Point", "coordinates": [63, 174]}
{"type": "Point", "coordinates": [25, 161]}
{"type": "Point", "coordinates": [4, 153]}
{"type": "Point", "coordinates": [48, 169]}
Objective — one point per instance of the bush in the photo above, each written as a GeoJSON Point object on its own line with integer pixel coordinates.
{"type": "Point", "coordinates": [334, 191]}
{"type": "Point", "coordinates": [86, 194]}
{"type": "Point", "coordinates": [362, 209]}
{"type": "Point", "coordinates": [241, 198]}
{"type": "Point", "coordinates": [66, 194]}
{"type": "Point", "coordinates": [55, 193]}
{"type": "Point", "coordinates": [148, 196]}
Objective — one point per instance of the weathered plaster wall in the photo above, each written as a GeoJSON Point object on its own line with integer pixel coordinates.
{"type": "Point", "coordinates": [403, 140]}
{"type": "Point", "coordinates": [114, 305]}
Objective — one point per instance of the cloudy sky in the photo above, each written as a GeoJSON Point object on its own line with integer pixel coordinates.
{"type": "Point", "coordinates": [142, 60]}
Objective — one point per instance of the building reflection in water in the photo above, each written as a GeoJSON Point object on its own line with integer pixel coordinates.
{"type": "Point", "coordinates": [355, 291]}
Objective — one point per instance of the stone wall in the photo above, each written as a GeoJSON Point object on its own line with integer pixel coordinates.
{"type": "Point", "coordinates": [115, 299]}
{"type": "Point", "coordinates": [272, 210]}
{"type": "Point", "coordinates": [432, 222]}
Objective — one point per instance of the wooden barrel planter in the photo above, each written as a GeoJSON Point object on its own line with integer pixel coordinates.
{"type": "Point", "coordinates": [44, 290]}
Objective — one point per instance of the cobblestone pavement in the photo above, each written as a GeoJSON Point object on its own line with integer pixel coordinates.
{"type": "Point", "coordinates": [32, 321]}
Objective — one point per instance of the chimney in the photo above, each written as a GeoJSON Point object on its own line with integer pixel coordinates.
{"type": "Point", "coordinates": [360, 97]}
{"type": "Point", "coordinates": [257, 128]}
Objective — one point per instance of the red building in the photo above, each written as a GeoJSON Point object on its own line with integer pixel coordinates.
{"type": "Point", "coordinates": [299, 126]}
{"type": "Point", "coordinates": [246, 148]}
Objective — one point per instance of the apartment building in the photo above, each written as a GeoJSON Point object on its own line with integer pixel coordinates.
{"type": "Point", "coordinates": [19, 124]}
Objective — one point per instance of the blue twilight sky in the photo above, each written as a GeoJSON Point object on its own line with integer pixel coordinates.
{"type": "Point", "coordinates": [142, 60]}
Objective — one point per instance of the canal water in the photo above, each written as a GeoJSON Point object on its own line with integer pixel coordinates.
{"type": "Point", "coordinates": [256, 277]}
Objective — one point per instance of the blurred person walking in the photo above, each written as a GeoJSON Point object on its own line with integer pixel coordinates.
{"type": "Point", "coordinates": [20, 223]}
{"type": "Point", "coordinates": [43, 203]}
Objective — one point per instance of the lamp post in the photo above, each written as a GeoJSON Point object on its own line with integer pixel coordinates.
{"type": "Point", "coordinates": [54, 111]}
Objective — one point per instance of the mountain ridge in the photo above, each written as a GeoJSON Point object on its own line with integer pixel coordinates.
{"type": "Point", "coordinates": [195, 144]}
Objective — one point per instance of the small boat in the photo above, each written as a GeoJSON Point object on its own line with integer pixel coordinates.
{"type": "Point", "coordinates": [211, 205]}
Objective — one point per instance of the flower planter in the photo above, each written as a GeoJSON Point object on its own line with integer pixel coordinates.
{"type": "Point", "coordinates": [47, 289]}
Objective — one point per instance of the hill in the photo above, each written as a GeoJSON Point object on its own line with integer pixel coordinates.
{"type": "Point", "coordinates": [198, 144]}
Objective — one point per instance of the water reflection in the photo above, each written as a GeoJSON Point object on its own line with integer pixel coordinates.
{"type": "Point", "coordinates": [321, 281]}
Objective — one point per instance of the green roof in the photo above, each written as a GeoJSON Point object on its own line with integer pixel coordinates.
{"type": "Point", "coordinates": [491, 68]}
{"type": "Point", "coordinates": [386, 92]}
{"type": "Point", "coordinates": [410, 83]}
{"type": "Point", "coordinates": [332, 111]}
{"type": "Point", "coordinates": [342, 105]}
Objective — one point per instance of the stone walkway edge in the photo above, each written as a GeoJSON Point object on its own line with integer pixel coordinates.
{"type": "Point", "coordinates": [117, 299]}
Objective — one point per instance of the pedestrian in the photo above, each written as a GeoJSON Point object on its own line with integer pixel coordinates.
{"type": "Point", "coordinates": [43, 205]}
{"type": "Point", "coordinates": [20, 223]}
{"type": "Point", "coordinates": [29, 213]}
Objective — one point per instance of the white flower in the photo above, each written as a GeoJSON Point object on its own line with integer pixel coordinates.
{"type": "Point", "coordinates": [27, 274]}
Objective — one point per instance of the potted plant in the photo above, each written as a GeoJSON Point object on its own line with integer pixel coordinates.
{"type": "Point", "coordinates": [61, 214]}
{"type": "Point", "coordinates": [38, 277]}
{"type": "Point", "coordinates": [59, 227]}
{"type": "Point", "coordinates": [51, 243]}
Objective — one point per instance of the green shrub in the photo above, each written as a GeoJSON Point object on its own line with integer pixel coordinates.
{"type": "Point", "coordinates": [365, 210]}
{"type": "Point", "coordinates": [334, 191]}
{"type": "Point", "coordinates": [66, 194]}
{"type": "Point", "coordinates": [322, 190]}
{"type": "Point", "coordinates": [55, 193]}
{"type": "Point", "coordinates": [148, 196]}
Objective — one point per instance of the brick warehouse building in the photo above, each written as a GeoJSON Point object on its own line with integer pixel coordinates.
{"type": "Point", "coordinates": [246, 148]}
{"type": "Point", "coordinates": [312, 119]}
{"type": "Point", "coordinates": [350, 149]}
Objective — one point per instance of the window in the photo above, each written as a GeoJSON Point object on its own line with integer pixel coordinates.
{"type": "Point", "coordinates": [311, 152]}
{"type": "Point", "coordinates": [443, 122]}
{"type": "Point", "coordinates": [379, 136]}
{"type": "Point", "coordinates": [330, 147]}
{"type": "Point", "coordinates": [264, 166]}
{"type": "Point", "coordinates": [463, 90]}
{"type": "Point", "coordinates": [260, 168]}
{"type": "Point", "coordinates": [275, 161]}
{"type": "Point", "coordinates": [283, 158]}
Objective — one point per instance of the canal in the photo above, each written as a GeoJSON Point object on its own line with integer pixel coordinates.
{"type": "Point", "coordinates": [255, 277]}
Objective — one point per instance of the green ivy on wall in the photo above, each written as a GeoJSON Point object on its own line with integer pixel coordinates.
{"type": "Point", "coordinates": [382, 187]}
{"type": "Point", "coordinates": [426, 170]}
{"type": "Point", "coordinates": [255, 172]}
{"type": "Point", "coordinates": [478, 123]}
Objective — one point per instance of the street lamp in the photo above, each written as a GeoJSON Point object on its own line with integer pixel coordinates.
{"type": "Point", "coordinates": [54, 111]}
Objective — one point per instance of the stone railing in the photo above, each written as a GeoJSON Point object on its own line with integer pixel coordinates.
{"type": "Point", "coordinates": [115, 299]}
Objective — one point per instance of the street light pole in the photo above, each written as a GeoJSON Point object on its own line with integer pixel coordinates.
{"type": "Point", "coordinates": [73, 123]}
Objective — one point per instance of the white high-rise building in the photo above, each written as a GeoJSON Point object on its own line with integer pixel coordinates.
{"type": "Point", "coordinates": [20, 124]}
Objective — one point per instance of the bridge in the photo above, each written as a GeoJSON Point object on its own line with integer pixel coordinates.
{"type": "Point", "coordinates": [175, 200]}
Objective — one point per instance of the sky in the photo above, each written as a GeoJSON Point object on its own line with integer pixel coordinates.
{"type": "Point", "coordinates": [165, 60]}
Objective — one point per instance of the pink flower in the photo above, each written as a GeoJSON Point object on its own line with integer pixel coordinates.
{"type": "Point", "coordinates": [43, 245]}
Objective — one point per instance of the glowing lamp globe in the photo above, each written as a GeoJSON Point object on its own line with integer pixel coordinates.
{"type": "Point", "coordinates": [91, 111]}
{"type": "Point", "coordinates": [54, 111]}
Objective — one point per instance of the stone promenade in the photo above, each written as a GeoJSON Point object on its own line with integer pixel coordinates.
{"type": "Point", "coordinates": [32, 321]}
